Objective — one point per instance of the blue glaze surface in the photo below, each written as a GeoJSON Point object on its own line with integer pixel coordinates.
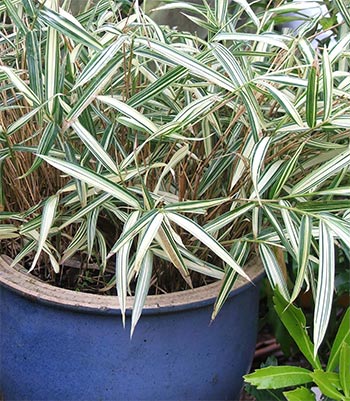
{"type": "Point", "coordinates": [59, 354]}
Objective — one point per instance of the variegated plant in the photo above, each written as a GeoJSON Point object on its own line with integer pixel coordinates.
{"type": "Point", "coordinates": [199, 152]}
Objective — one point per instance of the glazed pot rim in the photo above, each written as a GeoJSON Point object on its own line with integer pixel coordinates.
{"type": "Point", "coordinates": [18, 280]}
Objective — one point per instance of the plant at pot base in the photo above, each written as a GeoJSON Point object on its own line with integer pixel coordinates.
{"type": "Point", "coordinates": [332, 381]}
{"type": "Point", "coordinates": [174, 159]}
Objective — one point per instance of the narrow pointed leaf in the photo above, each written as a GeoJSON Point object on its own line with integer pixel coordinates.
{"type": "Point", "coordinates": [69, 27]}
{"type": "Point", "coordinates": [325, 285]}
{"type": "Point", "coordinates": [321, 174]}
{"type": "Point", "coordinates": [97, 63]}
{"type": "Point", "coordinates": [142, 288]}
{"type": "Point", "coordinates": [132, 231]}
{"type": "Point", "coordinates": [29, 95]}
{"type": "Point", "coordinates": [168, 243]}
{"type": "Point", "coordinates": [135, 116]}
{"type": "Point", "coordinates": [327, 85]}
{"type": "Point", "coordinates": [257, 160]}
{"type": "Point", "coordinates": [47, 219]}
{"type": "Point", "coordinates": [95, 180]}
{"type": "Point", "coordinates": [344, 368]}
{"type": "Point", "coordinates": [305, 235]}
{"type": "Point", "coordinates": [199, 233]}
{"type": "Point", "coordinates": [149, 232]}
{"type": "Point", "coordinates": [273, 270]}
{"type": "Point", "coordinates": [122, 264]}
{"type": "Point", "coordinates": [311, 96]}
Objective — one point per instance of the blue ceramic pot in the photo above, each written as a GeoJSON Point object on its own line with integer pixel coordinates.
{"type": "Point", "coordinates": [61, 345]}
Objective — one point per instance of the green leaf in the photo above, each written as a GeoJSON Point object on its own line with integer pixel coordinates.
{"type": "Point", "coordinates": [228, 282]}
{"type": "Point", "coordinates": [34, 63]}
{"type": "Point", "coordinates": [342, 337]}
{"type": "Point", "coordinates": [273, 40]}
{"type": "Point", "coordinates": [328, 383]}
{"type": "Point", "coordinates": [274, 377]}
{"type": "Point", "coordinates": [295, 322]}
{"type": "Point", "coordinates": [11, 9]}
{"type": "Point", "coordinates": [325, 285]}
{"type": "Point", "coordinates": [344, 368]}
{"type": "Point", "coordinates": [300, 394]}
{"type": "Point", "coordinates": [287, 171]}
{"type": "Point", "coordinates": [343, 7]}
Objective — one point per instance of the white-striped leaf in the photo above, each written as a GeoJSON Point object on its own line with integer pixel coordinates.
{"type": "Point", "coordinates": [137, 118]}
{"type": "Point", "coordinates": [179, 58]}
{"type": "Point", "coordinates": [227, 218]}
{"type": "Point", "coordinates": [132, 232]}
{"type": "Point", "coordinates": [320, 175]}
{"type": "Point", "coordinates": [29, 95]}
{"type": "Point", "coordinates": [167, 240]}
{"type": "Point", "coordinates": [91, 178]}
{"type": "Point", "coordinates": [273, 270]}
{"type": "Point", "coordinates": [148, 234]}
{"type": "Point", "coordinates": [122, 264]}
{"type": "Point", "coordinates": [327, 79]}
{"type": "Point", "coordinates": [69, 27]}
{"type": "Point", "coordinates": [97, 63]}
{"type": "Point", "coordinates": [199, 233]}
{"type": "Point", "coordinates": [285, 103]}
{"type": "Point", "coordinates": [273, 40]}
{"type": "Point", "coordinates": [257, 160]}
{"type": "Point", "coordinates": [142, 288]}
{"type": "Point", "coordinates": [48, 216]}
{"type": "Point", "coordinates": [305, 235]}
{"type": "Point", "coordinates": [325, 285]}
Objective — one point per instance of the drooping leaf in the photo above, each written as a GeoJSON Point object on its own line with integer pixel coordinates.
{"type": "Point", "coordinates": [325, 285]}
{"type": "Point", "coordinates": [142, 287]}
{"type": "Point", "coordinates": [47, 219]}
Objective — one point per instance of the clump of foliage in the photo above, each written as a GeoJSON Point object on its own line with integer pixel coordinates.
{"type": "Point", "coordinates": [150, 148]}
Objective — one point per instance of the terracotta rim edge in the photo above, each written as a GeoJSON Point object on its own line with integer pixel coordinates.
{"type": "Point", "coordinates": [16, 279]}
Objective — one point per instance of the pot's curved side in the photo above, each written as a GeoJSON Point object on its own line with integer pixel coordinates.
{"type": "Point", "coordinates": [18, 280]}
{"type": "Point", "coordinates": [59, 354]}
